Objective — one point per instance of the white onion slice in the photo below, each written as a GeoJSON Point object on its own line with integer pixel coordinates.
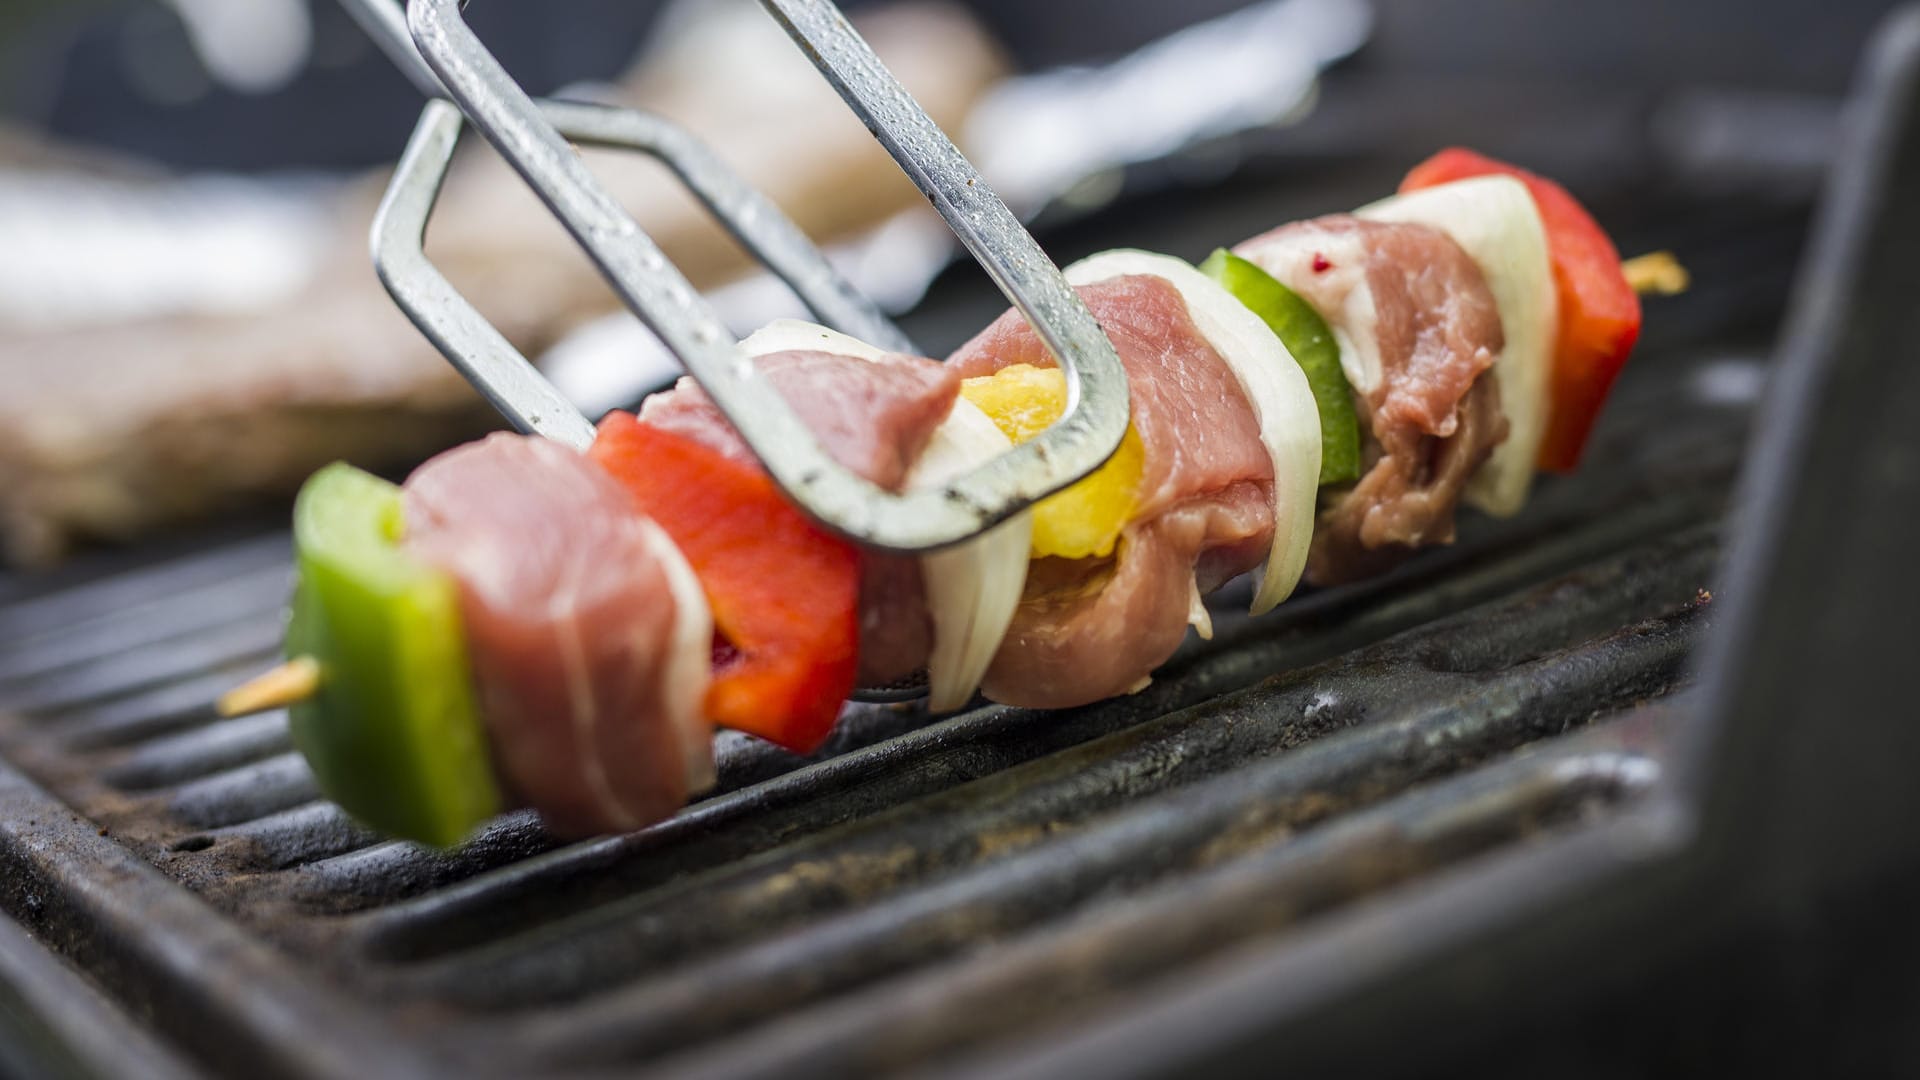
{"type": "Point", "coordinates": [798, 335]}
{"type": "Point", "coordinates": [972, 588]}
{"type": "Point", "coordinates": [1274, 385]}
{"type": "Point", "coordinates": [1495, 221]}
{"type": "Point", "coordinates": [689, 664]}
{"type": "Point", "coordinates": [1198, 616]}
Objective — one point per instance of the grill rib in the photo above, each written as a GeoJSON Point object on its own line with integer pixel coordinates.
{"type": "Point", "coordinates": [243, 598]}
{"type": "Point", "coordinates": [173, 760]}
{"type": "Point", "coordinates": [246, 793]}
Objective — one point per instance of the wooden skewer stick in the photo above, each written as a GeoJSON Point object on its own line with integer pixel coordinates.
{"type": "Point", "coordinates": [1657, 273]}
{"type": "Point", "coordinates": [292, 682]}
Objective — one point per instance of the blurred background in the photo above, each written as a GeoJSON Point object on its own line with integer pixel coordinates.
{"type": "Point", "coordinates": [189, 322]}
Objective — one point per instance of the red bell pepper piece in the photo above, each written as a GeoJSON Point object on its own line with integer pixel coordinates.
{"type": "Point", "coordinates": [1599, 311]}
{"type": "Point", "coordinates": [785, 593]}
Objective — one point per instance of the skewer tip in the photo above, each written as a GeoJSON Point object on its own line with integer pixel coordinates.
{"type": "Point", "coordinates": [1657, 273]}
{"type": "Point", "coordinates": [290, 683]}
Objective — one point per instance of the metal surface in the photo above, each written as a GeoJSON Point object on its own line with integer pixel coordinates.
{"type": "Point", "coordinates": [385, 23]}
{"type": "Point", "coordinates": [483, 355]}
{"type": "Point", "coordinates": [526, 135]}
{"type": "Point", "coordinates": [54, 1024]}
{"type": "Point", "coordinates": [470, 343]}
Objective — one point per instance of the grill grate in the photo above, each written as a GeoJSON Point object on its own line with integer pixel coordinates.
{"type": "Point", "coordinates": [919, 892]}
{"type": "Point", "coordinates": [918, 889]}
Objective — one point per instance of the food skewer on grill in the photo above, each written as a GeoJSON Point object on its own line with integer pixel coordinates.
{"type": "Point", "coordinates": [579, 669]}
{"type": "Point", "coordinates": [559, 622]}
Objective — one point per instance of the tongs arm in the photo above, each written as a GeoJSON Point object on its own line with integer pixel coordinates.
{"type": "Point", "coordinates": [481, 353]}
{"type": "Point", "coordinates": [527, 135]}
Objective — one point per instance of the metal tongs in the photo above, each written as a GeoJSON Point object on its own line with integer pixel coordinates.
{"type": "Point", "coordinates": [440, 53]}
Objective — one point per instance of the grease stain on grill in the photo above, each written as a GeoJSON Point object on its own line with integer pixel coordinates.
{"type": "Point", "coordinates": [851, 878]}
{"type": "Point", "coordinates": [994, 843]}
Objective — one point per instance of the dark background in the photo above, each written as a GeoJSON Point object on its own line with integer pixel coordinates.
{"type": "Point", "coordinates": [65, 66]}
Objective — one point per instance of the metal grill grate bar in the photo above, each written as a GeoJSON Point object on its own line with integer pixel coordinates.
{"type": "Point", "coordinates": [104, 602]}
{"type": "Point", "coordinates": [53, 1023]}
{"type": "Point", "coordinates": [247, 793]}
{"type": "Point", "coordinates": [244, 596]}
{"type": "Point", "coordinates": [287, 838]}
{"type": "Point", "coordinates": [350, 880]}
{"type": "Point", "coordinates": [191, 755]}
{"type": "Point", "coordinates": [162, 710]}
{"type": "Point", "coordinates": [147, 666]}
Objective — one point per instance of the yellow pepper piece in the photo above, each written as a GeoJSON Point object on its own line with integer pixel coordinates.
{"type": "Point", "coordinates": [1085, 520]}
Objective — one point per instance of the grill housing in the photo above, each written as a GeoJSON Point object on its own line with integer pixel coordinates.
{"type": "Point", "coordinates": [1405, 806]}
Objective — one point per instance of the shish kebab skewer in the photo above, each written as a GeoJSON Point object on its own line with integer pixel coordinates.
{"type": "Point", "coordinates": [1656, 273]}
{"type": "Point", "coordinates": [1064, 604]}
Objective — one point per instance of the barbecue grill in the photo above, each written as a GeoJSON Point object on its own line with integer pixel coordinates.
{"type": "Point", "coordinates": [1617, 783]}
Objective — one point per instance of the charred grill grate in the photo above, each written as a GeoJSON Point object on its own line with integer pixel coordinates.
{"type": "Point", "coordinates": [918, 890]}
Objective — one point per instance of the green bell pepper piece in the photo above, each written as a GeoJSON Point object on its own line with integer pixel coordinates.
{"type": "Point", "coordinates": [1306, 336]}
{"type": "Point", "coordinates": [393, 732]}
